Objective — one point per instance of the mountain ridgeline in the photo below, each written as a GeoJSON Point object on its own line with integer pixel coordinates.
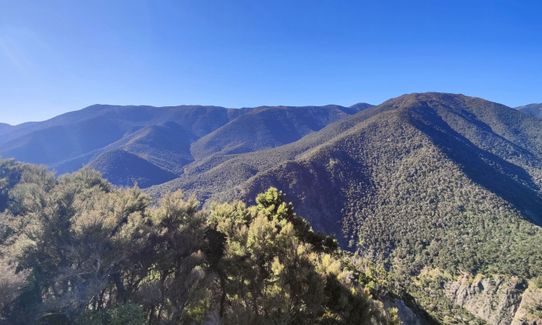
{"type": "Point", "coordinates": [442, 193]}
{"type": "Point", "coordinates": [157, 141]}
{"type": "Point", "coordinates": [424, 183]}
{"type": "Point", "coordinates": [531, 109]}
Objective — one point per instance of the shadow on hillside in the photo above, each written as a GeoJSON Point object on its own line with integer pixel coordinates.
{"type": "Point", "coordinates": [509, 181]}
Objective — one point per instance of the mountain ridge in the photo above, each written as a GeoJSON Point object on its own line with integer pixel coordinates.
{"type": "Point", "coordinates": [531, 109]}
{"type": "Point", "coordinates": [444, 191]}
{"type": "Point", "coordinates": [73, 140]}
{"type": "Point", "coordinates": [331, 178]}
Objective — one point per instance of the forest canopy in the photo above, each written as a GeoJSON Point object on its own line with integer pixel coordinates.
{"type": "Point", "coordinates": [75, 249]}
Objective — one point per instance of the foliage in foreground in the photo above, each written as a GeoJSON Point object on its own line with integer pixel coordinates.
{"type": "Point", "coordinates": [76, 250]}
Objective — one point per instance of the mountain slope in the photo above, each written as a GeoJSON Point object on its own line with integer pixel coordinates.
{"type": "Point", "coordinates": [432, 185]}
{"type": "Point", "coordinates": [361, 106]}
{"type": "Point", "coordinates": [4, 128]}
{"type": "Point", "coordinates": [165, 145]}
{"type": "Point", "coordinates": [267, 127]}
{"type": "Point", "coordinates": [166, 137]}
{"type": "Point", "coordinates": [531, 109]}
{"type": "Point", "coordinates": [55, 144]}
{"type": "Point", "coordinates": [211, 177]}
{"type": "Point", "coordinates": [438, 158]}
{"type": "Point", "coordinates": [127, 169]}
{"type": "Point", "coordinates": [79, 136]}
{"type": "Point", "coordinates": [443, 190]}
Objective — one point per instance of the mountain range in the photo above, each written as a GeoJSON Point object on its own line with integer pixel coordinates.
{"type": "Point", "coordinates": [221, 153]}
{"type": "Point", "coordinates": [433, 185]}
{"type": "Point", "coordinates": [158, 141]}
{"type": "Point", "coordinates": [491, 145]}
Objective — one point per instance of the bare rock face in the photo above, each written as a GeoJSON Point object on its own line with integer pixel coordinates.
{"type": "Point", "coordinates": [495, 299]}
{"type": "Point", "coordinates": [407, 315]}
{"type": "Point", "coordinates": [530, 309]}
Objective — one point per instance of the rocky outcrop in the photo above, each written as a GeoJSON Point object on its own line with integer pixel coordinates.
{"type": "Point", "coordinates": [495, 299]}
{"type": "Point", "coordinates": [530, 309]}
{"type": "Point", "coordinates": [408, 311]}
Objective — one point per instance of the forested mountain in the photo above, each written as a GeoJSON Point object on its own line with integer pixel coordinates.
{"type": "Point", "coordinates": [440, 193]}
{"type": "Point", "coordinates": [425, 183]}
{"type": "Point", "coordinates": [70, 141]}
{"type": "Point", "coordinates": [268, 127]}
{"type": "Point", "coordinates": [532, 109]}
{"type": "Point", "coordinates": [163, 138]}
{"type": "Point", "coordinates": [75, 250]}
{"type": "Point", "coordinates": [481, 138]}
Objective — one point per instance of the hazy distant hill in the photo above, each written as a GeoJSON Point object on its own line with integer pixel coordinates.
{"type": "Point", "coordinates": [360, 106]}
{"type": "Point", "coordinates": [163, 137]}
{"type": "Point", "coordinates": [4, 127]}
{"type": "Point", "coordinates": [73, 140]}
{"type": "Point", "coordinates": [532, 109]}
{"type": "Point", "coordinates": [267, 127]}
{"type": "Point", "coordinates": [124, 168]}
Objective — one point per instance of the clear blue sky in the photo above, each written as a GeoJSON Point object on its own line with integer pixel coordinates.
{"type": "Point", "coordinates": [62, 55]}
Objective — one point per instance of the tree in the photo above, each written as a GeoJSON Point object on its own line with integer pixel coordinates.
{"type": "Point", "coordinates": [75, 249]}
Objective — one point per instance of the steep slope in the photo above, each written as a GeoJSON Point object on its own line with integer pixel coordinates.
{"type": "Point", "coordinates": [422, 182]}
{"type": "Point", "coordinates": [396, 142]}
{"type": "Point", "coordinates": [166, 137]}
{"type": "Point", "coordinates": [483, 139]}
{"type": "Point", "coordinates": [127, 169]}
{"type": "Point", "coordinates": [79, 135]}
{"type": "Point", "coordinates": [267, 127]}
{"type": "Point", "coordinates": [219, 176]}
{"type": "Point", "coordinates": [165, 145]}
{"type": "Point", "coordinates": [531, 109]}
{"type": "Point", "coordinates": [441, 159]}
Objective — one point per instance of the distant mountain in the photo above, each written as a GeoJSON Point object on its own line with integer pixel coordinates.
{"type": "Point", "coordinates": [166, 138]}
{"type": "Point", "coordinates": [127, 169]}
{"type": "Point", "coordinates": [360, 106]}
{"type": "Point", "coordinates": [531, 109]}
{"type": "Point", "coordinates": [70, 141]}
{"type": "Point", "coordinates": [4, 127]}
{"type": "Point", "coordinates": [267, 127]}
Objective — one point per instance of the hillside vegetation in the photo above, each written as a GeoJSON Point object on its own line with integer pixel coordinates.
{"type": "Point", "coordinates": [75, 250]}
{"type": "Point", "coordinates": [424, 183]}
{"type": "Point", "coordinates": [437, 197]}
{"type": "Point", "coordinates": [165, 139]}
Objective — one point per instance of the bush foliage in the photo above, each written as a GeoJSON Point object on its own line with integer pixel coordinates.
{"type": "Point", "coordinates": [75, 249]}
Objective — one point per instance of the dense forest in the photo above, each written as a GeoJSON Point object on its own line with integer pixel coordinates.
{"type": "Point", "coordinates": [76, 250]}
{"type": "Point", "coordinates": [444, 190]}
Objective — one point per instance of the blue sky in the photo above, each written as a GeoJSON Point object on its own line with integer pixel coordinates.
{"type": "Point", "coordinates": [62, 55]}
